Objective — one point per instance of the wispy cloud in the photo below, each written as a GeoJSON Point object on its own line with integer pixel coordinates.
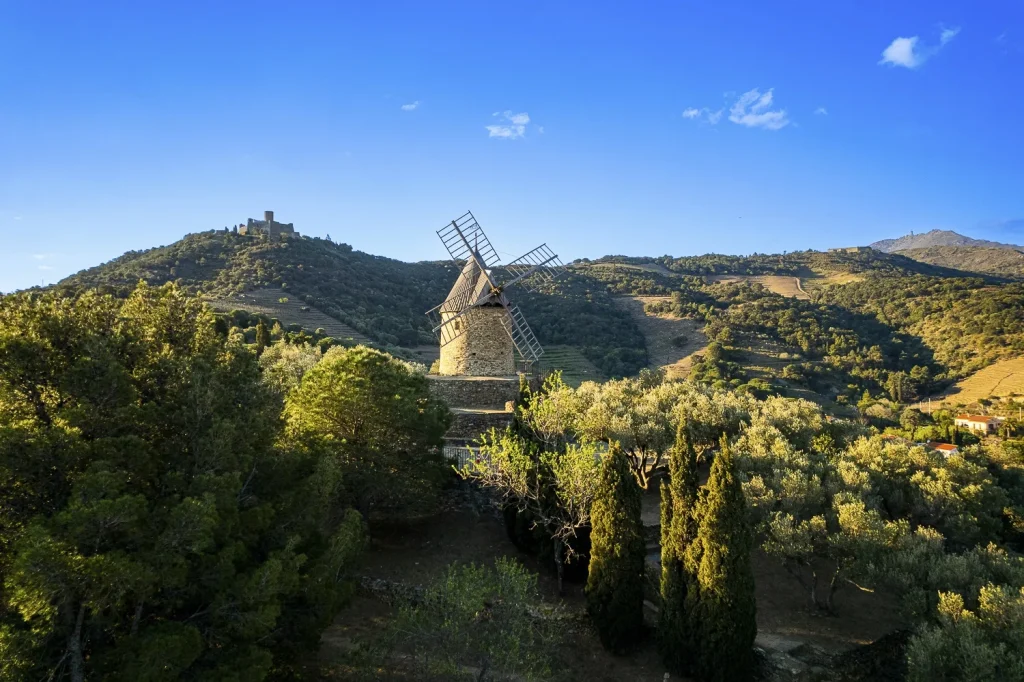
{"type": "Point", "coordinates": [912, 52]}
{"type": "Point", "coordinates": [821, 111]}
{"type": "Point", "coordinates": [45, 267]}
{"type": "Point", "coordinates": [412, 106]}
{"type": "Point", "coordinates": [706, 114]}
{"type": "Point", "coordinates": [511, 126]}
{"type": "Point", "coordinates": [754, 110]}
{"type": "Point", "coordinates": [42, 256]}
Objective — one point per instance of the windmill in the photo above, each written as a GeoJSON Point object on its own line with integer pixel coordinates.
{"type": "Point", "coordinates": [479, 329]}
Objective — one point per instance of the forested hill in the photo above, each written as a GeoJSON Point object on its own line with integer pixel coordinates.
{"type": "Point", "coordinates": [797, 263]}
{"type": "Point", "coordinates": [384, 299]}
{"type": "Point", "coordinates": [870, 315]}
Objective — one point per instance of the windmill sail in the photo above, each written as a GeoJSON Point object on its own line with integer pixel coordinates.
{"type": "Point", "coordinates": [523, 339]}
{"type": "Point", "coordinates": [465, 239]}
{"type": "Point", "coordinates": [534, 269]}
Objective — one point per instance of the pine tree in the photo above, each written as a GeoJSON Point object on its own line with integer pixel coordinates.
{"type": "Point", "coordinates": [615, 586]}
{"type": "Point", "coordinates": [727, 609]}
{"type": "Point", "coordinates": [679, 557]}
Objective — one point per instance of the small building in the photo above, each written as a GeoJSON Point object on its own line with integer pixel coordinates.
{"type": "Point", "coordinates": [268, 227]}
{"type": "Point", "coordinates": [978, 423]}
{"type": "Point", "coordinates": [945, 449]}
{"type": "Point", "coordinates": [850, 249]}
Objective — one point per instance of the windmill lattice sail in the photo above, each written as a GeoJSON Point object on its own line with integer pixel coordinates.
{"type": "Point", "coordinates": [464, 239]}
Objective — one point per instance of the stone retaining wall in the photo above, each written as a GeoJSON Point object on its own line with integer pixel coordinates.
{"type": "Point", "coordinates": [477, 392]}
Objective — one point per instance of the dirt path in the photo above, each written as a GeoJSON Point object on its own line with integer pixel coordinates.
{"type": "Point", "coordinates": [660, 333]}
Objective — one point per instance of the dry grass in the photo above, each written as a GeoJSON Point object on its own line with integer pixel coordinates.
{"type": "Point", "coordinates": [660, 332]}
{"type": "Point", "coordinates": [268, 302]}
{"type": "Point", "coordinates": [1001, 378]}
{"type": "Point", "coordinates": [783, 285]}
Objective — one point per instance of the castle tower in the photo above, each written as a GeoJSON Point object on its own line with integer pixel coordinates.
{"type": "Point", "coordinates": [482, 346]}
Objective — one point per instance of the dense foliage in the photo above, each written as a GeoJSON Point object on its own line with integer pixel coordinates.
{"type": "Point", "coordinates": [967, 322]}
{"type": "Point", "coordinates": [374, 417]}
{"type": "Point", "coordinates": [150, 529]}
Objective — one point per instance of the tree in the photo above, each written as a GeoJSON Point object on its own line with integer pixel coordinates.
{"type": "Point", "coordinates": [555, 488]}
{"type": "Point", "coordinates": [375, 416]}
{"type": "Point", "coordinates": [262, 337]}
{"type": "Point", "coordinates": [725, 576]}
{"type": "Point", "coordinates": [680, 558]}
{"type": "Point", "coordinates": [284, 365]}
{"type": "Point", "coordinates": [985, 644]}
{"type": "Point", "coordinates": [479, 621]}
{"type": "Point", "coordinates": [615, 584]}
{"type": "Point", "coordinates": [150, 529]}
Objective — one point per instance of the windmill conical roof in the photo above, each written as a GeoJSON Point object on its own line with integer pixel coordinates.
{"type": "Point", "coordinates": [472, 281]}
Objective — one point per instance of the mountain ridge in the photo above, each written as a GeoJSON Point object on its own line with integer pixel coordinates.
{"type": "Point", "coordinates": [934, 238]}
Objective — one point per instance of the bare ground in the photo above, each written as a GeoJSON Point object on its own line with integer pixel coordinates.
{"type": "Point", "coordinates": [419, 553]}
{"type": "Point", "coordinates": [660, 331]}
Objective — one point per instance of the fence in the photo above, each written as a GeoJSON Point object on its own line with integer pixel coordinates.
{"type": "Point", "coordinates": [460, 456]}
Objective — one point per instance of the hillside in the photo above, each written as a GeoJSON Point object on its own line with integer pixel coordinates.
{"type": "Point", "coordinates": [1001, 262]}
{"type": "Point", "coordinates": [380, 298]}
{"type": "Point", "coordinates": [935, 238]}
{"type": "Point", "coordinates": [831, 324]}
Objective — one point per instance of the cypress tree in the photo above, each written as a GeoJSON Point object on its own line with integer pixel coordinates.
{"type": "Point", "coordinates": [727, 609]}
{"type": "Point", "coordinates": [262, 337]}
{"type": "Point", "coordinates": [679, 558]}
{"type": "Point", "coordinates": [615, 585]}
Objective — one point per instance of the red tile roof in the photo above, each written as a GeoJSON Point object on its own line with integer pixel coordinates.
{"type": "Point", "coordinates": [942, 447]}
{"type": "Point", "coordinates": [977, 418]}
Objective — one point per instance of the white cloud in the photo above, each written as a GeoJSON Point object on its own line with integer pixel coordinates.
{"type": "Point", "coordinates": [948, 34]}
{"type": "Point", "coordinates": [711, 117]}
{"type": "Point", "coordinates": [41, 256]}
{"type": "Point", "coordinates": [411, 107]}
{"type": "Point", "coordinates": [512, 126]}
{"type": "Point", "coordinates": [46, 267]}
{"type": "Point", "coordinates": [821, 111]}
{"type": "Point", "coordinates": [753, 110]}
{"type": "Point", "coordinates": [912, 53]}
{"type": "Point", "coordinates": [540, 129]}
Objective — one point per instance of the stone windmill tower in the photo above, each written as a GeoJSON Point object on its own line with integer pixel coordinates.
{"type": "Point", "coordinates": [483, 335]}
{"type": "Point", "coordinates": [481, 331]}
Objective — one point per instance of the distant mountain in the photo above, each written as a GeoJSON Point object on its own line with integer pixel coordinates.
{"type": "Point", "coordinates": [935, 238]}
{"type": "Point", "coordinates": [1001, 262]}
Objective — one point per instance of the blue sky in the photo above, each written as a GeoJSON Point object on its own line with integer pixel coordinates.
{"type": "Point", "coordinates": [639, 128]}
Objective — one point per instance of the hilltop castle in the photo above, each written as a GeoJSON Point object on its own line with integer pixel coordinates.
{"type": "Point", "coordinates": [268, 227]}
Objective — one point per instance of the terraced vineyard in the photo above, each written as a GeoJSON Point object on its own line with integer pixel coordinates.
{"type": "Point", "coordinates": [575, 367]}
{"type": "Point", "coordinates": [290, 311]}
{"type": "Point", "coordinates": [1001, 378]}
